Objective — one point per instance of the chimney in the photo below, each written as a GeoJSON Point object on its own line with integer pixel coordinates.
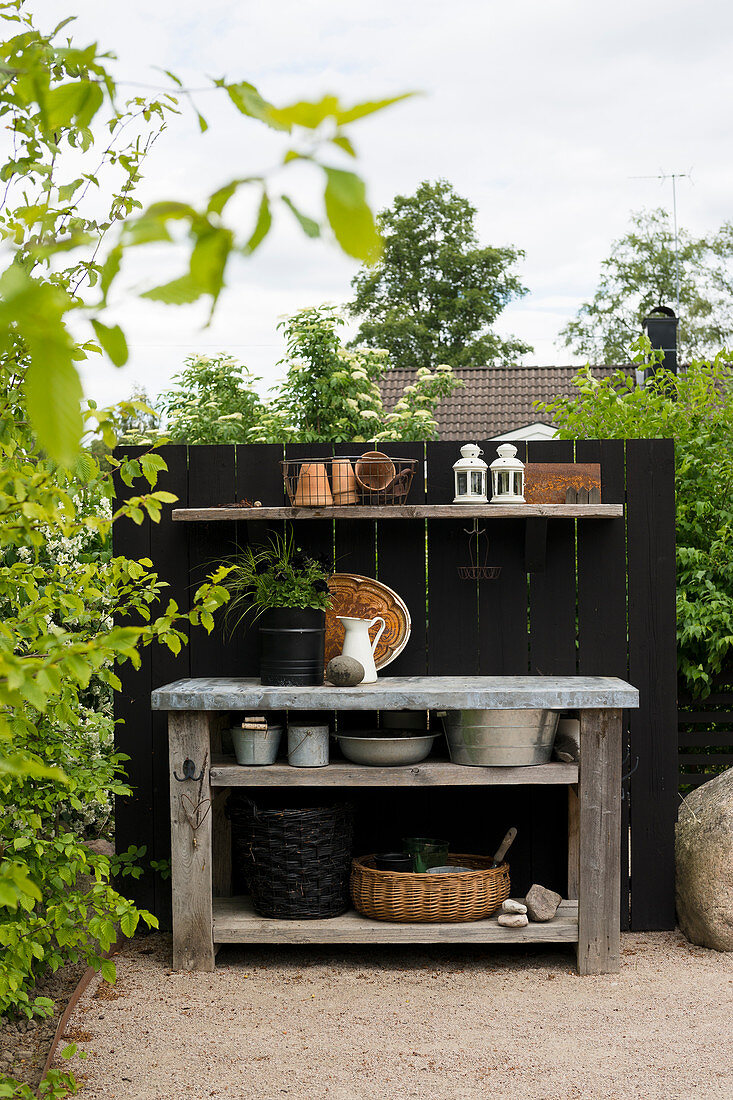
{"type": "Point", "coordinates": [661, 328]}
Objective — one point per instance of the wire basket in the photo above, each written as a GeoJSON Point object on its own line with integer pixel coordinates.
{"type": "Point", "coordinates": [444, 898]}
{"type": "Point", "coordinates": [371, 478]}
{"type": "Point", "coordinates": [478, 552]}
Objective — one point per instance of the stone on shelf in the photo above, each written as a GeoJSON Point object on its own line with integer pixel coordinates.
{"type": "Point", "coordinates": [344, 671]}
{"type": "Point", "coordinates": [513, 920]}
{"type": "Point", "coordinates": [512, 906]}
{"type": "Point", "coordinates": [542, 904]}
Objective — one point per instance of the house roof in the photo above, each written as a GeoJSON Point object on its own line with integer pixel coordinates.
{"type": "Point", "coordinates": [492, 400]}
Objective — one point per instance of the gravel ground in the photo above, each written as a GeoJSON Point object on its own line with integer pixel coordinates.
{"type": "Point", "coordinates": [448, 1023]}
{"type": "Point", "coordinates": [24, 1044]}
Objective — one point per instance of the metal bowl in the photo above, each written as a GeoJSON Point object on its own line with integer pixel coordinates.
{"type": "Point", "coordinates": [448, 870]}
{"type": "Point", "coordinates": [385, 751]}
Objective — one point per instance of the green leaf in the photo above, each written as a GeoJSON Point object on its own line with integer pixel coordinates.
{"type": "Point", "coordinates": [307, 113]}
{"type": "Point", "coordinates": [151, 465]}
{"type": "Point", "coordinates": [110, 270]}
{"type": "Point", "coordinates": [203, 124]}
{"type": "Point", "coordinates": [310, 228]}
{"type": "Point", "coordinates": [361, 110]}
{"type": "Point", "coordinates": [343, 143]}
{"type": "Point", "coordinates": [220, 198]}
{"type": "Point", "coordinates": [68, 189]}
{"type": "Point", "coordinates": [178, 292]}
{"type": "Point", "coordinates": [53, 391]}
{"type": "Point", "coordinates": [128, 923]}
{"type": "Point", "coordinates": [172, 76]}
{"type": "Point", "coordinates": [209, 259]}
{"type": "Point", "coordinates": [248, 101]}
{"type": "Point", "coordinates": [262, 225]}
{"type": "Point", "coordinates": [350, 216]}
{"type": "Point", "coordinates": [113, 341]}
{"type": "Point", "coordinates": [108, 971]}
{"type": "Point", "coordinates": [79, 100]}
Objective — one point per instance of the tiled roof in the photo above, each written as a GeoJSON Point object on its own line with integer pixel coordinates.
{"type": "Point", "coordinates": [492, 400]}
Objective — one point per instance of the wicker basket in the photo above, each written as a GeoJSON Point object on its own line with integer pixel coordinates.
{"type": "Point", "coordinates": [445, 898]}
{"type": "Point", "coordinates": [295, 861]}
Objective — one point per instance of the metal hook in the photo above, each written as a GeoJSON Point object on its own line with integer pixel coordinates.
{"type": "Point", "coordinates": [189, 772]}
{"type": "Point", "coordinates": [475, 530]}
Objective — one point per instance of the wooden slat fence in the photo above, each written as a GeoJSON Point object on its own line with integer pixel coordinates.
{"type": "Point", "coordinates": [601, 602]}
{"type": "Point", "coordinates": [705, 737]}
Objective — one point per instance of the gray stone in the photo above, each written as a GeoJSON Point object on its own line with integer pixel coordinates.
{"type": "Point", "coordinates": [704, 864]}
{"type": "Point", "coordinates": [513, 920]}
{"type": "Point", "coordinates": [511, 906]}
{"type": "Point", "coordinates": [542, 903]}
{"type": "Point", "coordinates": [344, 671]}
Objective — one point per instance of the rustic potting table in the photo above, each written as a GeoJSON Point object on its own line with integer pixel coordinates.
{"type": "Point", "coordinates": [204, 913]}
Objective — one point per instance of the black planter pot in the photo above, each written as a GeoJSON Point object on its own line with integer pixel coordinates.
{"type": "Point", "coordinates": [292, 647]}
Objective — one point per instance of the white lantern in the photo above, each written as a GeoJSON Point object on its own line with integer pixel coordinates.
{"type": "Point", "coordinates": [470, 476]}
{"type": "Point", "coordinates": [507, 476]}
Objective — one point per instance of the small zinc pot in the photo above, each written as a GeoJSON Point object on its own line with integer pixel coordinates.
{"type": "Point", "coordinates": [292, 647]}
{"type": "Point", "coordinates": [308, 746]}
{"type": "Point", "coordinates": [256, 746]}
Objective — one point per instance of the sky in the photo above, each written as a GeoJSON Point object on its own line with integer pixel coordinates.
{"type": "Point", "coordinates": [553, 119]}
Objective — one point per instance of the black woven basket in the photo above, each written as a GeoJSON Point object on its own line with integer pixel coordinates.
{"type": "Point", "coordinates": [296, 862]}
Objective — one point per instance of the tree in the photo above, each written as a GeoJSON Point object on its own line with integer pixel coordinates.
{"type": "Point", "coordinates": [695, 408]}
{"type": "Point", "coordinates": [434, 294]}
{"type": "Point", "coordinates": [331, 394]}
{"type": "Point", "coordinates": [640, 273]}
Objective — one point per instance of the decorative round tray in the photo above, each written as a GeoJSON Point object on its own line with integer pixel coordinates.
{"type": "Point", "coordinates": [363, 598]}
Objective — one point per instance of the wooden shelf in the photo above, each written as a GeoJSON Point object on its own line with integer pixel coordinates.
{"type": "Point", "coordinates": [429, 773]}
{"type": "Point", "coordinates": [235, 921]}
{"type": "Point", "coordinates": [405, 511]}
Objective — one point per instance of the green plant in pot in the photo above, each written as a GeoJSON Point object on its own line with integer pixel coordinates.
{"type": "Point", "coordinates": [284, 590]}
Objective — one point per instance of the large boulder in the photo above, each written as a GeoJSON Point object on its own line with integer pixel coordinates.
{"type": "Point", "coordinates": [704, 859]}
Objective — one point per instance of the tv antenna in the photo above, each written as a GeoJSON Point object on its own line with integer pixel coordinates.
{"type": "Point", "coordinates": [674, 176]}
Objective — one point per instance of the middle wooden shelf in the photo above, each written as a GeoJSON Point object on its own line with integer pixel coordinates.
{"type": "Point", "coordinates": [430, 773]}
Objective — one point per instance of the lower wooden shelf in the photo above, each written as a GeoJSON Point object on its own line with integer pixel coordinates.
{"type": "Point", "coordinates": [235, 921]}
{"type": "Point", "coordinates": [225, 772]}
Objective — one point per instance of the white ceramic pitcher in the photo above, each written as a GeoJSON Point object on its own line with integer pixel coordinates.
{"type": "Point", "coordinates": [358, 644]}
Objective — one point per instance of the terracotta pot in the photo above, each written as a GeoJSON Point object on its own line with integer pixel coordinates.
{"type": "Point", "coordinates": [344, 482]}
{"type": "Point", "coordinates": [374, 471]}
{"type": "Point", "coordinates": [313, 488]}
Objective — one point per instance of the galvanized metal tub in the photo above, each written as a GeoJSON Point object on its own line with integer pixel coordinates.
{"type": "Point", "coordinates": [500, 738]}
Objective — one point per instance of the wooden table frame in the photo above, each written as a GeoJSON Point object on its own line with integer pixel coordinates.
{"type": "Point", "coordinates": [200, 778]}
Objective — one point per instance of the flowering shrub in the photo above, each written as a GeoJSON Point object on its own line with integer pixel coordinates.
{"type": "Point", "coordinates": [213, 401]}
{"type": "Point", "coordinates": [330, 394]}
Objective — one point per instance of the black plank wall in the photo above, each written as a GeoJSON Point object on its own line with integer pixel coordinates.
{"type": "Point", "coordinates": [601, 601]}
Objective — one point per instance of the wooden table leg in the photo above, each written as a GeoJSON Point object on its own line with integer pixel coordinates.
{"type": "Point", "coordinates": [599, 884]}
{"type": "Point", "coordinates": [191, 824]}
